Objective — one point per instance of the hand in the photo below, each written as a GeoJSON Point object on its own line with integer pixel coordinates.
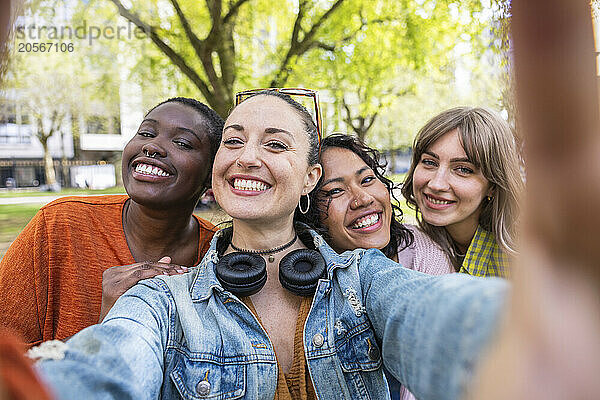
{"type": "Point", "coordinates": [117, 280]}
{"type": "Point", "coordinates": [548, 346]}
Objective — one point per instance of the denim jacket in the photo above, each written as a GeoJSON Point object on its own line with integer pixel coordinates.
{"type": "Point", "coordinates": [186, 337]}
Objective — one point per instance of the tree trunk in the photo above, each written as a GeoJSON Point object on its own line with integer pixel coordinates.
{"type": "Point", "coordinates": [64, 168]}
{"type": "Point", "coordinates": [48, 166]}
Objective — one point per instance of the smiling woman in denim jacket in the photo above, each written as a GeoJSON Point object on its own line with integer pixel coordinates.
{"type": "Point", "coordinates": [322, 330]}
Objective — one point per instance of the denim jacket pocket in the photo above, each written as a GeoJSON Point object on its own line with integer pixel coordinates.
{"type": "Point", "coordinates": [206, 380]}
{"type": "Point", "coordinates": [358, 350]}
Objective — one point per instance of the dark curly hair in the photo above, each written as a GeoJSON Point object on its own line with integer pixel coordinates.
{"type": "Point", "coordinates": [400, 236]}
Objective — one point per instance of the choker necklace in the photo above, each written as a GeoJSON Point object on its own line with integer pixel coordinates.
{"type": "Point", "coordinates": [270, 252]}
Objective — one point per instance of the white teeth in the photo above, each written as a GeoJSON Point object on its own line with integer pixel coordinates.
{"type": "Point", "coordinates": [247, 184]}
{"type": "Point", "coordinates": [150, 170]}
{"type": "Point", "coordinates": [436, 201]}
{"type": "Point", "coordinates": [366, 221]}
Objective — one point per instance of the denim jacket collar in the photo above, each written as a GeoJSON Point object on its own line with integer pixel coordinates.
{"type": "Point", "coordinates": [205, 279]}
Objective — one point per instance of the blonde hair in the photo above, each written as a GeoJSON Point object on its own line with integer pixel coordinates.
{"type": "Point", "coordinates": [490, 144]}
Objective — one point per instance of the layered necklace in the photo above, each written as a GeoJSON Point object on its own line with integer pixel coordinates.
{"type": "Point", "coordinates": [270, 252]}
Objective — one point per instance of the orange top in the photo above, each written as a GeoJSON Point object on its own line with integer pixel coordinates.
{"type": "Point", "coordinates": [51, 276]}
{"type": "Point", "coordinates": [296, 384]}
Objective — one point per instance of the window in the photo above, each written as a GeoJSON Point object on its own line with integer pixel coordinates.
{"type": "Point", "coordinates": [14, 123]}
{"type": "Point", "coordinates": [97, 125]}
{"type": "Point", "coordinates": [8, 113]}
{"type": "Point", "coordinates": [116, 125]}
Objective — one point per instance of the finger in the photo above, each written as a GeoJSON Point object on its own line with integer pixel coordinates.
{"type": "Point", "coordinates": [141, 274]}
{"type": "Point", "coordinates": [125, 268]}
{"type": "Point", "coordinates": [165, 260]}
{"type": "Point", "coordinates": [151, 270]}
{"type": "Point", "coordinates": [169, 267]}
{"type": "Point", "coordinates": [119, 268]}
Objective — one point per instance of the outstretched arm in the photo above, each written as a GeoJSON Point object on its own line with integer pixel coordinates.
{"type": "Point", "coordinates": [549, 346]}
{"type": "Point", "coordinates": [433, 329]}
{"type": "Point", "coordinates": [120, 358]}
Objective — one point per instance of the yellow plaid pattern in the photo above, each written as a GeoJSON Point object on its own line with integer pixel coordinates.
{"type": "Point", "coordinates": [485, 257]}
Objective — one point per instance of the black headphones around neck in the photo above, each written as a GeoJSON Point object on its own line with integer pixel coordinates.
{"type": "Point", "coordinates": [244, 274]}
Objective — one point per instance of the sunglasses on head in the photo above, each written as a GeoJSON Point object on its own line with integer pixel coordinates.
{"type": "Point", "coordinates": [245, 94]}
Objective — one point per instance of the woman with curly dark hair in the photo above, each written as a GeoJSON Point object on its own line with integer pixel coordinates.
{"type": "Point", "coordinates": [354, 210]}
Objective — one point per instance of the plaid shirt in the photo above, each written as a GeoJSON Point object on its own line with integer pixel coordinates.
{"type": "Point", "coordinates": [485, 257]}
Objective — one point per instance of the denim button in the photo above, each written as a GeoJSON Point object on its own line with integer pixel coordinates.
{"type": "Point", "coordinates": [203, 388]}
{"type": "Point", "coordinates": [373, 352]}
{"type": "Point", "coordinates": [318, 340]}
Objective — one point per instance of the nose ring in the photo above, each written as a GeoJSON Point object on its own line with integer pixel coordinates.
{"type": "Point", "coordinates": [147, 153]}
{"type": "Point", "coordinates": [355, 203]}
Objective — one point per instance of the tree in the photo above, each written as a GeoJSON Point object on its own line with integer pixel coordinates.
{"type": "Point", "coordinates": [50, 96]}
{"type": "Point", "coordinates": [361, 116]}
{"type": "Point", "coordinates": [55, 85]}
{"type": "Point", "coordinates": [358, 51]}
{"type": "Point", "coordinates": [502, 45]}
{"type": "Point", "coordinates": [202, 41]}
{"type": "Point", "coordinates": [403, 50]}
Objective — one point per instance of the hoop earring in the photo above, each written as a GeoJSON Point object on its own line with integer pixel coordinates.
{"type": "Point", "coordinates": [307, 204]}
{"type": "Point", "coordinates": [489, 198]}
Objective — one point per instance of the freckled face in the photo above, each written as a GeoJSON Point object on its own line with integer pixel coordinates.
{"type": "Point", "coordinates": [167, 162]}
{"type": "Point", "coordinates": [359, 212]}
{"type": "Point", "coordinates": [448, 188]}
{"type": "Point", "coordinates": [261, 168]}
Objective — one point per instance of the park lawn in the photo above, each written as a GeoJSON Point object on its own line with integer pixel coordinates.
{"type": "Point", "coordinates": [65, 192]}
{"type": "Point", "coordinates": [397, 178]}
{"type": "Point", "coordinates": [13, 218]}
{"type": "Point", "coordinates": [408, 214]}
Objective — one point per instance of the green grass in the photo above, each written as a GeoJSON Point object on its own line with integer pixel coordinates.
{"type": "Point", "coordinates": [408, 214]}
{"type": "Point", "coordinates": [65, 192]}
{"type": "Point", "coordinates": [397, 178]}
{"type": "Point", "coordinates": [13, 219]}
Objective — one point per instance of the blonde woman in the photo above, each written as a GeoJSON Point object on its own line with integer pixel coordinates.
{"type": "Point", "coordinates": [464, 182]}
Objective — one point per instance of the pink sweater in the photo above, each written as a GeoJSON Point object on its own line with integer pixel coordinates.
{"type": "Point", "coordinates": [426, 256]}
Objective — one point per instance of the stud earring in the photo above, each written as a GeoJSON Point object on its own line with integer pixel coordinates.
{"type": "Point", "coordinates": [147, 153]}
